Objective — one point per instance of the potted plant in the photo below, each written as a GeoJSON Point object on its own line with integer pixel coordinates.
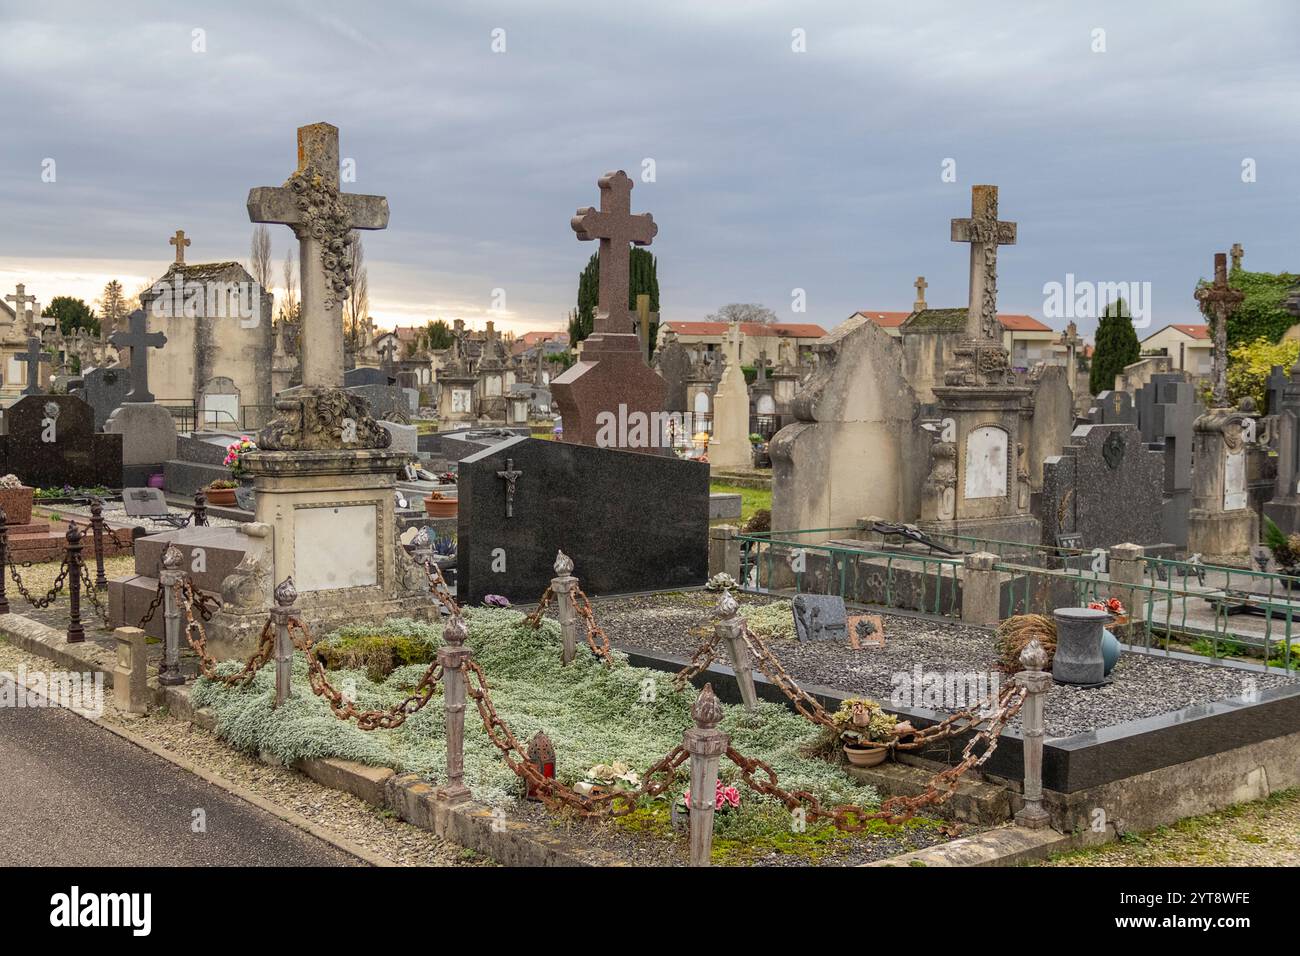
{"type": "Point", "coordinates": [726, 800]}
{"type": "Point", "coordinates": [222, 492]}
{"type": "Point", "coordinates": [438, 505]}
{"type": "Point", "coordinates": [865, 731]}
{"type": "Point", "coordinates": [16, 500]}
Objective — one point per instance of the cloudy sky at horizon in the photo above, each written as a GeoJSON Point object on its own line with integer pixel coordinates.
{"type": "Point", "coordinates": [775, 170]}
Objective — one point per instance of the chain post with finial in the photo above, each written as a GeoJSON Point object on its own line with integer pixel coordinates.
{"type": "Point", "coordinates": [1036, 681]}
{"type": "Point", "coordinates": [4, 560]}
{"type": "Point", "coordinates": [452, 656]}
{"type": "Point", "coordinates": [706, 744]}
{"type": "Point", "coordinates": [97, 531]}
{"type": "Point", "coordinates": [562, 587]}
{"type": "Point", "coordinates": [199, 518]}
{"type": "Point", "coordinates": [286, 598]}
{"type": "Point", "coordinates": [73, 541]}
{"type": "Point", "coordinates": [730, 629]}
{"type": "Point", "coordinates": [170, 577]}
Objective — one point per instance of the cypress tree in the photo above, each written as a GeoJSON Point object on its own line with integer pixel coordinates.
{"type": "Point", "coordinates": [643, 279]}
{"type": "Point", "coordinates": [1117, 346]}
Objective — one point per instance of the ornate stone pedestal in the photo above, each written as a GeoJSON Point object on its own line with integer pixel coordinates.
{"type": "Point", "coordinates": [1221, 521]}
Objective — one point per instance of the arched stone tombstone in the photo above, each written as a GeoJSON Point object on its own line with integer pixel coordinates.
{"type": "Point", "coordinates": [218, 405]}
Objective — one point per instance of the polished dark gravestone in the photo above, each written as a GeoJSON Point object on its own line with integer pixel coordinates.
{"type": "Point", "coordinates": [629, 521]}
{"type": "Point", "coordinates": [50, 441]}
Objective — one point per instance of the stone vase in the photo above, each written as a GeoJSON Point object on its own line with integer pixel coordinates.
{"type": "Point", "coordinates": [1078, 658]}
{"type": "Point", "coordinates": [865, 756]}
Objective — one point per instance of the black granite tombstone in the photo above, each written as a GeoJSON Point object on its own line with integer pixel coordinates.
{"type": "Point", "coordinates": [630, 522]}
{"type": "Point", "coordinates": [50, 441]}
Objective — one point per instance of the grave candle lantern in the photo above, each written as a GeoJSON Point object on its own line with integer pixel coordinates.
{"type": "Point", "coordinates": [541, 754]}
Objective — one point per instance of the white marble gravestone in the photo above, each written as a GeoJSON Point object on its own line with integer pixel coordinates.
{"type": "Point", "coordinates": [986, 462]}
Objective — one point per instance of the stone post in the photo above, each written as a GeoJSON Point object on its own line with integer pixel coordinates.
{"type": "Point", "coordinates": [562, 587]}
{"type": "Point", "coordinates": [981, 593]}
{"type": "Point", "coordinates": [729, 629]}
{"type": "Point", "coordinates": [1036, 683]}
{"type": "Point", "coordinates": [170, 576]}
{"type": "Point", "coordinates": [285, 607]}
{"type": "Point", "coordinates": [706, 744]}
{"type": "Point", "coordinates": [76, 633]}
{"type": "Point", "coordinates": [1128, 567]}
{"type": "Point", "coordinates": [199, 519]}
{"type": "Point", "coordinates": [97, 529]}
{"type": "Point", "coordinates": [4, 561]}
{"type": "Point", "coordinates": [452, 656]}
{"type": "Point", "coordinates": [724, 551]}
{"type": "Point", "coordinates": [130, 676]}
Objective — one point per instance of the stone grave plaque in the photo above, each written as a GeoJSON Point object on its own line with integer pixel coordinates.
{"type": "Point", "coordinates": [1234, 481]}
{"type": "Point", "coordinates": [866, 630]}
{"type": "Point", "coordinates": [986, 463]}
{"type": "Point", "coordinates": [820, 617]}
{"type": "Point", "coordinates": [335, 547]}
{"type": "Point", "coordinates": [144, 503]}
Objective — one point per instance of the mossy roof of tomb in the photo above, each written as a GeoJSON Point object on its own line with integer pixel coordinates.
{"type": "Point", "coordinates": [201, 270]}
{"type": "Point", "coordinates": [936, 320]}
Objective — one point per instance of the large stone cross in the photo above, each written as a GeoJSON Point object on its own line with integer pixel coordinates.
{"type": "Point", "coordinates": [322, 218]}
{"type": "Point", "coordinates": [139, 340]}
{"type": "Point", "coordinates": [615, 226]}
{"type": "Point", "coordinates": [21, 300]}
{"type": "Point", "coordinates": [33, 357]}
{"type": "Point", "coordinates": [985, 233]}
{"type": "Point", "coordinates": [1221, 300]}
{"type": "Point", "coordinates": [180, 242]}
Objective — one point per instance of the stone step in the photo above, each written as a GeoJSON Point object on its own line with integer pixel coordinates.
{"type": "Point", "coordinates": [975, 801]}
{"type": "Point", "coordinates": [129, 599]}
{"type": "Point", "coordinates": [210, 554]}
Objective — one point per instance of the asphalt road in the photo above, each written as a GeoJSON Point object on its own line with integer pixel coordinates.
{"type": "Point", "coordinates": [74, 794]}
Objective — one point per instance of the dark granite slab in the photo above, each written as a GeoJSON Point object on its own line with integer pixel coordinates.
{"type": "Point", "coordinates": [629, 521]}
{"type": "Point", "coordinates": [50, 441]}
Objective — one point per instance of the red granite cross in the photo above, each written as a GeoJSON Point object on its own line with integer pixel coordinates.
{"type": "Point", "coordinates": [615, 226]}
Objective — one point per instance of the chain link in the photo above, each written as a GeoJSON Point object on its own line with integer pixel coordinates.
{"type": "Point", "coordinates": [153, 607]}
{"type": "Point", "coordinates": [185, 596]}
{"type": "Point", "coordinates": [92, 594]}
{"type": "Point", "coordinates": [48, 599]}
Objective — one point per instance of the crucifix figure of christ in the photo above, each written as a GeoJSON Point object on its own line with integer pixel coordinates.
{"type": "Point", "coordinates": [33, 357]}
{"type": "Point", "coordinates": [180, 242]}
{"type": "Point", "coordinates": [615, 226]}
{"type": "Point", "coordinates": [1220, 300]}
{"type": "Point", "coordinates": [511, 476]}
{"type": "Point", "coordinates": [322, 218]}
{"type": "Point", "coordinates": [139, 340]}
{"type": "Point", "coordinates": [21, 301]}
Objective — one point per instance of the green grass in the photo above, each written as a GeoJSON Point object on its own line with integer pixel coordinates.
{"type": "Point", "coordinates": [751, 499]}
{"type": "Point", "coordinates": [593, 714]}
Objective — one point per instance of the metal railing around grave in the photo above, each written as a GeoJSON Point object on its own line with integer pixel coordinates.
{"type": "Point", "coordinates": [904, 580]}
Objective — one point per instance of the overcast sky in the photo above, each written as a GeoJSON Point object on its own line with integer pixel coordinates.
{"type": "Point", "coordinates": [774, 169]}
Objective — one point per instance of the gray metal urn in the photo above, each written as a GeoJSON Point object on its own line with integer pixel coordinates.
{"type": "Point", "coordinates": [1078, 658]}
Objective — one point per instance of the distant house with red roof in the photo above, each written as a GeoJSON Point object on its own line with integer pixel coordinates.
{"type": "Point", "coordinates": [1027, 340]}
{"type": "Point", "coordinates": [1190, 347]}
{"type": "Point", "coordinates": [760, 337]}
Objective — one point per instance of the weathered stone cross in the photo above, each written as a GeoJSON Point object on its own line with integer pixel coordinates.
{"type": "Point", "coordinates": [1222, 300]}
{"type": "Point", "coordinates": [1237, 253]}
{"type": "Point", "coordinates": [139, 340]}
{"type": "Point", "coordinates": [180, 242]}
{"type": "Point", "coordinates": [21, 300]}
{"type": "Point", "coordinates": [33, 357]}
{"type": "Point", "coordinates": [321, 217]}
{"type": "Point", "coordinates": [615, 227]}
{"type": "Point", "coordinates": [921, 286]}
{"type": "Point", "coordinates": [510, 476]}
{"type": "Point", "coordinates": [985, 233]}
{"type": "Point", "coordinates": [1071, 339]}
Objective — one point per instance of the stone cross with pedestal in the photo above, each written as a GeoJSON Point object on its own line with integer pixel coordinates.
{"type": "Point", "coordinates": [729, 445]}
{"type": "Point", "coordinates": [21, 300]}
{"type": "Point", "coordinates": [611, 378]}
{"type": "Point", "coordinates": [148, 430]}
{"type": "Point", "coordinates": [33, 357]}
{"type": "Point", "coordinates": [180, 242]}
{"type": "Point", "coordinates": [1220, 300]}
{"type": "Point", "coordinates": [139, 340]}
{"type": "Point", "coordinates": [1071, 339]}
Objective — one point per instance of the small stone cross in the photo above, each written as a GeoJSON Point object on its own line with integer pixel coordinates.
{"type": "Point", "coordinates": [615, 226]}
{"type": "Point", "coordinates": [1221, 300]}
{"type": "Point", "coordinates": [1237, 253]}
{"type": "Point", "coordinates": [511, 476]}
{"type": "Point", "coordinates": [985, 232]}
{"type": "Point", "coordinates": [139, 340]}
{"type": "Point", "coordinates": [921, 286]}
{"type": "Point", "coordinates": [180, 242]}
{"type": "Point", "coordinates": [33, 357]}
{"type": "Point", "coordinates": [21, 300]}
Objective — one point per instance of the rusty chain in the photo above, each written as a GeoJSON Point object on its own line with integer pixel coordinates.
{"type": "Point", "coordinates": [704, 655]}
{"type": "Point", "coordinates": [341, 707]}
{"type": "Point", "coordinates": [583, 610]}
{"type": "Point", "coordinates": [534, 620]}
{"type": "Point", "coordinates": [153, 607]}
{"type": "Point", "coordinates": [616, 803]}
{"type": "Point", "coordinates": [90, 591]}
{"type": "Point", "coordinates": [207, 665]}
{"type": "Point", "coordinates": [50, 595]}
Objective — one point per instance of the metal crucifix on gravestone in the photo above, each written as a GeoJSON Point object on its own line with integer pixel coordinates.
{"type": "Point", "coordinates": [139, 340]}
{"type": "Point", "coordinates": [322, 218]}
{"type": "Point", "coordinates": [180, 242]}
{"type": "Point", "coordinates": [33, 357]}
{"type": "Point", "coordinates": [511, 476]}
{"type": "Point", "coordinates": [615, 226]}
{"type": "Point", "coordinates": [1222, 300]}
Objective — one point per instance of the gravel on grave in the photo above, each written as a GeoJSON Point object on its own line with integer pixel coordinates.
{"type": "Point", "coordinates": [117, 516]}
{"type": "Point", "coordinates": [641, 848]}
{"type": "Point", "coordinates": [1144, 685]}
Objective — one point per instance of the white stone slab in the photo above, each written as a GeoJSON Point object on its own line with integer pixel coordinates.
{"type": "Point", "coordinates": [986, 463]}
{"type": "Point", "coordinates": [335, 547]}
{"type": "Point", "coordinates": [1234, 481]}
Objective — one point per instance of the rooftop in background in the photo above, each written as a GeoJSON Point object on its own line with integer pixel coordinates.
{"type": "Point", "coordinates": [1012, 322]}
{"type": "Point", "coordinates": [795, 330]}
{"type": "Point", "coordinates": [528, 340]}
{"type": "Point", "coordinates": [1191, 331]}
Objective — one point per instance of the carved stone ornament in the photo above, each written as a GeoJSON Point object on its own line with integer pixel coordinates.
{"type": "Point", "coordinates": [707, 709]}
{"type": "Point", "coordinates": [286, 593]}
{"type": "Point", "coordinates": [563, 564]}
{"type": "Point", "coordinates": [315, 418]}
{"type": "Point", "coordinates": [325, 219]}
{"type": "Point", "coordinates": [727, 607]}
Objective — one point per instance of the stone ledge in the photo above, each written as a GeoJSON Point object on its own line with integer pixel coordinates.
{"type": "Point", "coordinates": [52, 644]}
{"type": "Point", "coordinates": [1005, 846]}
{"type": "Point", "coordinates": [974, 801]}
{"type": "Point", "coordinates": [361, 780]}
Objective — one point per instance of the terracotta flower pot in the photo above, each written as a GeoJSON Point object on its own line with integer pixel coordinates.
{"type": "Point", "coordinates": [440, 507]}
{"type": "Point", "coordinates": [865, 756]}
{"type": "Point", "coordinates": [221, 497]}
{"type": "Point", "coordinates": [17, 503]}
